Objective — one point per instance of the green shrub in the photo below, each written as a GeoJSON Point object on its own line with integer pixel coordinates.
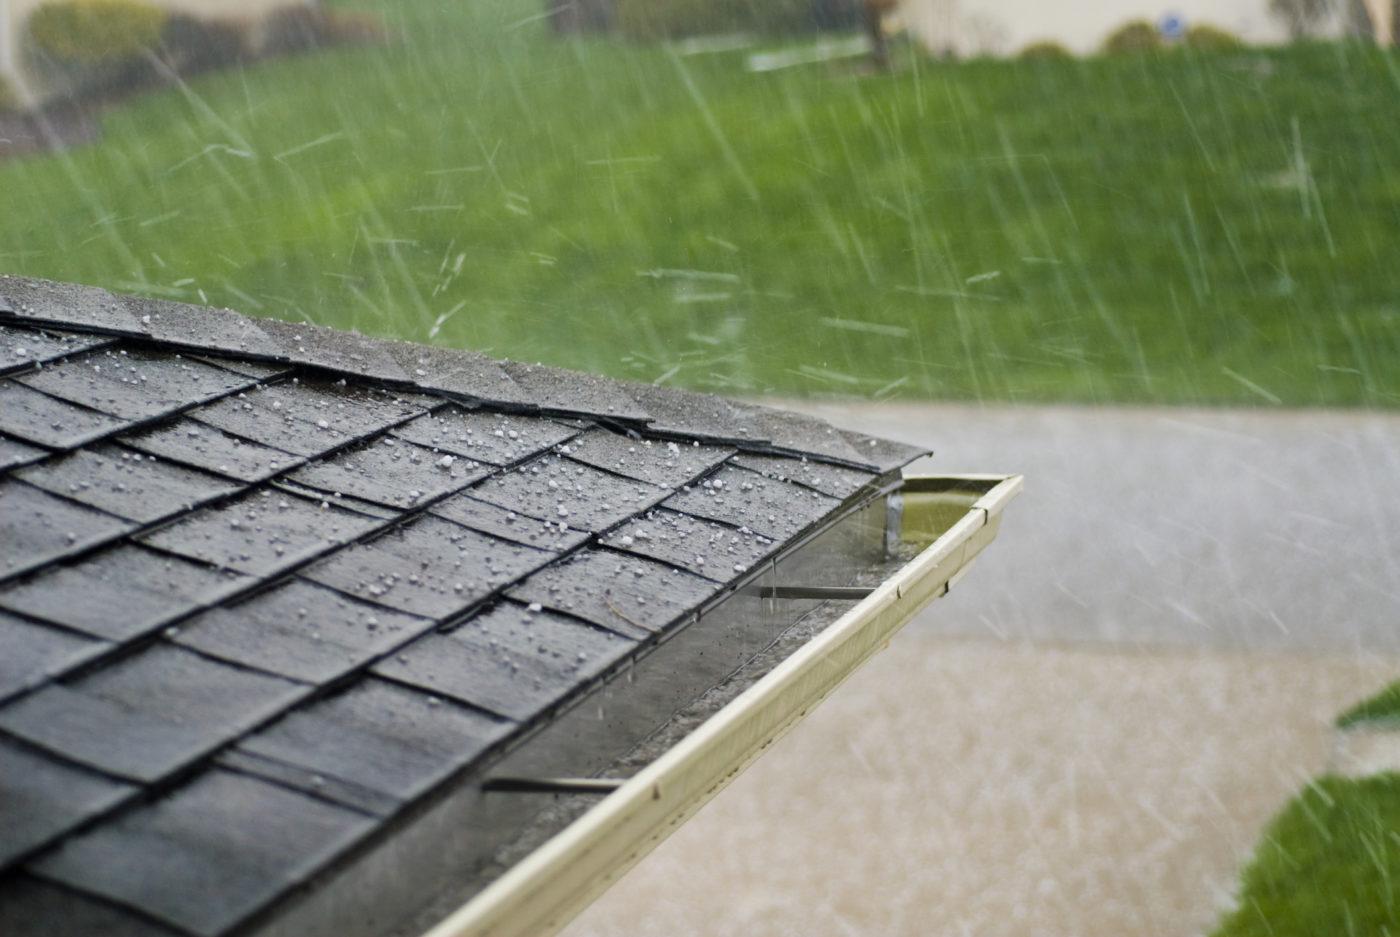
{"type": "Point", "coordinates": [1135, 36]}
{"type": "Point", "coordinates": [671, 19]}
{"type": "Point", "coordinates": [95, 32]}
{"type": "Point", "coordinates": [9, 101]}
{"type": "Point", "coordinates": [1045, 51]}
{"type": "Point", "coordinates": [1208, 38]}
{"type": "Point", "coordinates": [191, 44]}
{"type": "Point", "coordinates": [298, 28]}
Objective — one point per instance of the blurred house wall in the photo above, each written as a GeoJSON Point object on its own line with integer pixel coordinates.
{"type": "Point", "coordinates": [972, 27]}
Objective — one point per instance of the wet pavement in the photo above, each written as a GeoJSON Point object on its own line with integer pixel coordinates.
{"type": "Point", "coordinates": [1087, 736]}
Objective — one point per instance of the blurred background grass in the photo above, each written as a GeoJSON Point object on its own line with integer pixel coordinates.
{"type": "Point", "coordinates": [1182, 228]}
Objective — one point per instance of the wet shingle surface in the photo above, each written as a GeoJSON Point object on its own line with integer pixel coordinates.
{"type": "Point", "coordinates": [36, 417]}
{"type": "Point", "coordinates": [262, 533]}
{"type": "Point", "coordinates": [559, 489]}
{"type": "Point", "coordinates": [299, 630]}
{"type": "Point", "coordinates": [513, 660]}
{"type": "Point", "coordinates": [146, 715]}
{"type": "Point", "coordinates": [201, 445]}
{"type": "Point", "coordinates": [134, 385]}
{"type": "Point", "coordinates": [120, 593]}
{"type": "Point", "coordinates": [391, 472]}
{"type": "Point", "coordinates": [35, 652]}
{"type": "Point", "coordinates": [497, 438]}
{"type": "Point", "coordinates": [37, 528]}
{"type": "Point", "coordinates": [210, 854]}
{"type": "Point", "coordinates": [432, 567]}
{"type": "Point", "coordinates": [264, 587]}
{"type": "Point", "coordinates": [390, 740]}
{"type": "Point", "coordinates": [706, 548]}
{"type": "Point", "coordinates": [126, 483]}
{"type": "Point", "coordinates": [667, 463]}
{"type": "Point", "coordinates": [767, 505]}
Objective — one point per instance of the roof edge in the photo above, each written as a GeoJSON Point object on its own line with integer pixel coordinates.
{"type": "Point", "coordinates": [464, 375]}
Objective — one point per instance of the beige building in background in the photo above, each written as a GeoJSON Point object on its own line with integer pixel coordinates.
{"type": "Point", "coordinates": [14, 15]}
{"type": "Point", "coordinates": [975, 27]}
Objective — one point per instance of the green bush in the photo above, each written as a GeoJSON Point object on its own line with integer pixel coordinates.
{"type": "Point", "coordinates": [1045, 51]}
{"type": "Point", "coordinates": [9, 101]}
{"type": "Point", "coordinates": [1135, 36]}
{"type": "Point", "coordinates": [671, 19]}
{"type": "Point", "coordinates": [95, 32]}
{"type": "Point", "coordinates": [299, 28]}
{"type": "Point", "coordinates": [190, 44]}
{"type": "Point", "coordinates": [1208, 38]}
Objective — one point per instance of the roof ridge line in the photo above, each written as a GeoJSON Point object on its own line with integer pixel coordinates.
{"type": "Point", "coordinates": [459, 373]}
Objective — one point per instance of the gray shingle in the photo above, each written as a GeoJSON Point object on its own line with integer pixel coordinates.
{"type": "Point", "coordinates": [262, 533]}
{"type": "Point", "coordinates": [705, 548]}
{"type": "Point", "coordinates": [576, 392]}
{"type": "Point", "coordinates": [65, 304]}
{"type": "Point", "coordinates": [508, 525]}
{"type": "Point", "coordinates": [121, 593]}
{"type": "Point", "coordinates": [558, 489]}
{"type": "Point", "coordinates": [14, 453]}
{"type": "Point", "coordinates": [203, 446]}
{"type": "Point", "coordinates": [383, 738]}
{"type": "Point", "coordinates": [22, 347]}
{"type": "Point", "coordinates": [148, 714]}
{"type": "Point", "coordinates": [37, 527]}
{"type": "Point", "coordinates": [736, 496]}
{"type": "Point", "coordinates": [667, 463]}
{"type": "Point", "coordinates": [134, 385]}
{"type": "Point", "coordinates": [307, 418]}
{"type": "Point", "coordinates": [391, 472]}
{"type": "Point", "coordinates": [632, 596]}
{"type": "Point", "coordinates": [486, 436]}
{"type": "Point", "coordinates": [299, 630]}
{"type": "Point", "coordinates": [38, 418]}
{"type": "Point", "coordinates": [510, 660]}
{"type": "Point", "coordinates": [32, 907]}
{"type": "Point", "coordinates": [211, 854]}
{"type": "Point", "coordinates": [833, 480]}
{"type": "Point", "coordinates": [41, 799]}
{"type": "Point", "coordinates": [333, 349]}
{"type": "Point", "coordinates": [127, 484]}
{"type": "Point", "coordinates": [32, 653]}
{"type": "Point", "coordinates": [431, 567]}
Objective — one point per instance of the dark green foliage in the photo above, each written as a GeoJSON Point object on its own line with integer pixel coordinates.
{"type": "Point", "coordinates": [1137, 36]}
{"type": "Point", "coordinates": [95, 32]}
{"type": "Point", "coordinates": [1204, 37]}
{"type": "Point", "coordinates": [1329, 864]}
{"type": "Point", "coordinates": [669, 19]}
{"type": "Point", "coordinates": [1045, 51]}
{"type": "Point", "coordinates": [190, 44]}
{"type": "Point", "coordinates": [1384, 707]}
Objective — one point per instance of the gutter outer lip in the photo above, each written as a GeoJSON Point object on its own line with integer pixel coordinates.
{"type": "Point", "coordinates": [544, 891]}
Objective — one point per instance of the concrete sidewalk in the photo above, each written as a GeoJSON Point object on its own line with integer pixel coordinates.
{"type": "Point", "coordinates": [1087, 736]}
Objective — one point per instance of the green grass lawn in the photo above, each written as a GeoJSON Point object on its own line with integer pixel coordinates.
{"type": "Point", "coordinates": [1328, 864]}
{"type": "Point", "coordinates": [1381, 709]}
{"type": "Point", "coordinates": [1178, 229]}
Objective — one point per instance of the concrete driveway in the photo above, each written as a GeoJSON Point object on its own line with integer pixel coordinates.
{"type": "Point", "coordinates": [1087, 736]}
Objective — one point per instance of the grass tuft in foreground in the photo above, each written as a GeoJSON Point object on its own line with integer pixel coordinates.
{"type": "Point", "coordinates": [1328, 864]}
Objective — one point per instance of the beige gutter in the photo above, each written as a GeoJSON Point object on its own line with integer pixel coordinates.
{"type": "Point", "coordinates": [543, 892]}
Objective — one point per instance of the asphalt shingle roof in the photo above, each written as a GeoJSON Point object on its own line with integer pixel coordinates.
{"type": "Point", "coordinates": [262, 585]}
